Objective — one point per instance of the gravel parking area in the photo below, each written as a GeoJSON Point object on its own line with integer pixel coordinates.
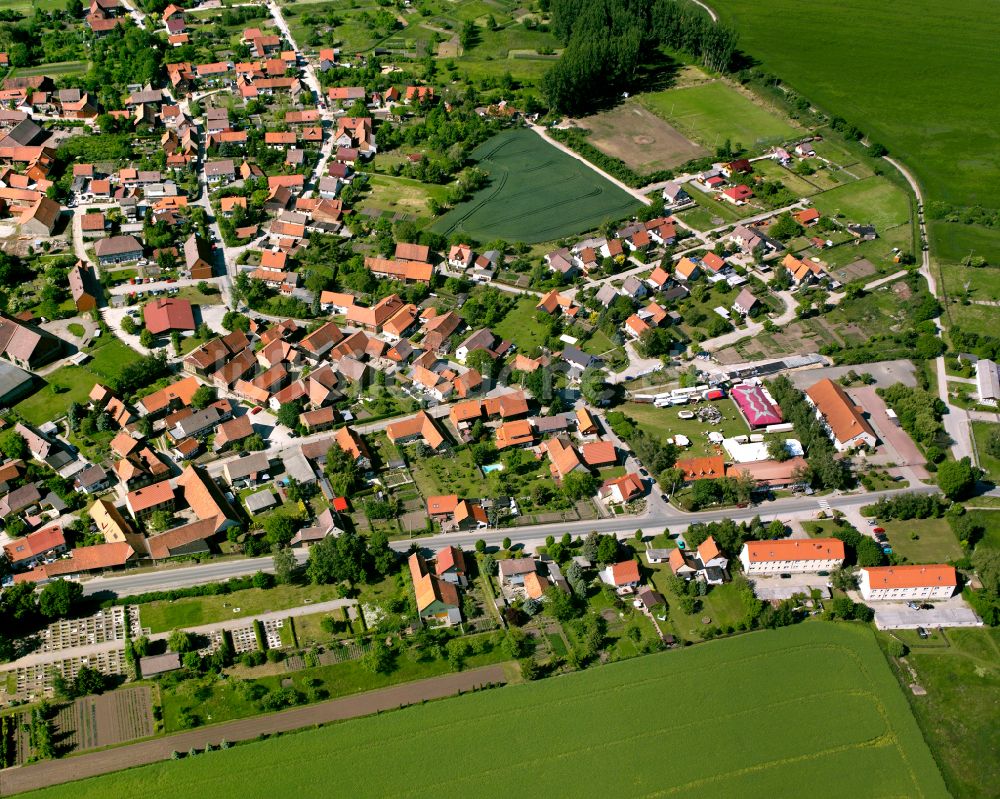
{"type": "Point", "coordinates": [886, 373]}
{"type": "Point", "coordinates": [777, 588]}
{"type": "Point", "coordinates": [897, 616]}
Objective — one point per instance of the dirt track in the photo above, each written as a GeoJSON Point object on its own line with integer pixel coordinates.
{"type": "Point", "coordinates": [41, 775]}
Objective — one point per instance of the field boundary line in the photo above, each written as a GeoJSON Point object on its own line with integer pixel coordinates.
{"type": "Point", "coordinates": [573, 154]}
{"type": "Point", "coordinates": [54, 772]}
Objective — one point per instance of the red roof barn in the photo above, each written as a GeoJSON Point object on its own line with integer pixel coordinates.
{"type": "Point", "coordinates": [170, 314]}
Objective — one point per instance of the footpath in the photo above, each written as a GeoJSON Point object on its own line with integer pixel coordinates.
{"type": "Point", "coordinates": [54, 772]}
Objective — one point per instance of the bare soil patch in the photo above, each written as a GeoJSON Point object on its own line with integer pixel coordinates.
{"type": "Point", "coordinates": [92, 722]}
{"type": "Point", "coordinates": [641, 139]}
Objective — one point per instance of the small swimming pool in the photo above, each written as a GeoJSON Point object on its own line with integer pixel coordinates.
{"type": "Point", "coordinates": [492, 467]}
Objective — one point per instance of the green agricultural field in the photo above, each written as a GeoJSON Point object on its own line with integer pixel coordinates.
{"type": "Point", "coordinates": [710, 113]}
{"type": "Point", "coordinates": [910, 75]}
{"type": "Point", "coordinates": [536, 193]}
{"type": "Point", "coordinates": [810, 705]}
{"type": "Point", "coordinates": [873, 200]}
{"type": "Point", "coordinates": [192, 611]}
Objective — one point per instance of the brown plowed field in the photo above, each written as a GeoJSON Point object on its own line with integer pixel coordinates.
{"type": "Point", "coordinates": [641, 139]}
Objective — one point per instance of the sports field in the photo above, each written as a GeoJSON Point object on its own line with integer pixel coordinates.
{"type": "Point", "coordinates": [919, 76]}
{"type": "Point", "coordinates": [813, 705]}
{"type": "Point", "coordinates": [710, 113]}
{"type": "Point", "coordinates": [536, 193]}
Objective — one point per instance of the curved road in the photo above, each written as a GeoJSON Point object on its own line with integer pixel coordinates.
{"type": "Point", "coordinates": [956, 420]}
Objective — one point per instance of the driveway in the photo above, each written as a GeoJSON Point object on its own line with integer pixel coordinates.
{"type": "Point", "coordinates": [897, 447]}
{"type": "Point", "coordinates": [113, 319]}
{"type": "Point", "coordinates": [774, 587]}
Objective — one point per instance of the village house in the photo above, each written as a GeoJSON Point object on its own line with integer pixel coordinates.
{"type": "Point", "coordinates": [624, 576]}
{"type": "Point", "coordinates": [438, 600]}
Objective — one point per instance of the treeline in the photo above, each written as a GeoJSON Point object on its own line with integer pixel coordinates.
{"type": "Point", "coordinates": [209, 589]}
{"type": "Point", "coordinates": [907, 506]}
{"type": "Point", "coordinates": [606, 40]}
{"type": "Point", "coordinates": [964, 214]}
{"type": "Point", "coordinates": [981, 345]}
{"type": "Point", "coordinates": [919, 413]}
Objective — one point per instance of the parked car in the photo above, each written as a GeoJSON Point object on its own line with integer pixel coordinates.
{"type": "Point", "coordinates": [923, 633]}
{"type": "Point", "coordinates": [785, 576]}
{"type": "Point", "coordinates": [872, 522]}
{"type": "Point", "coordinates": [878, 530]}
{"type": "Point", "coordinates": [256, 410]}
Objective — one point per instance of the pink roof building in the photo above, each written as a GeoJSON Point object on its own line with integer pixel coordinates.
{"type": "Point", "coordinates": [756, 408]}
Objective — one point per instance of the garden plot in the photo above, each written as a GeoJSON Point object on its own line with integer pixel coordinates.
{"type": "Point", "coordinates": [113, 718]}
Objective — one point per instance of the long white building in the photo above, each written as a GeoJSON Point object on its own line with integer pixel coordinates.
{"type": "Point", "coordinates": [905, 583]}
{"type": "Point", "coordinates": [792, 555]}
{"type": "Point", "coordinates": [987, 382]}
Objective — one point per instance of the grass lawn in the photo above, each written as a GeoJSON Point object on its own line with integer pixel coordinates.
{"type": "Point", "coordinates": [196, 297]}
{"type": "Point", "coordinates": [74, 383]}
{"type": "Point", "coordinates": [990, 463]}
{"type": "Point", "coordinates": [721, 604]}
{"type": "Point", "coordinates": [936, 542]}
{"type": "Point", "coordinates": [521, 327]}
{"type": "Point", "coordinates": [664, 423]}
{"type": "Point", "coordinates": [958, 713]}
{"type": "Point", "coordinates": [309, 629]}
{"type": "Point", "coordinates": [928, 105]}
{"type": "Point", "coordinates": [536, 193]}
{"type": "Point", "coordinates": [193, 611]}
{"type": "Point", "coordinates": [989, 520]}
{"type": "Point", "coordinates": [453, 475]}
{"type": "Point", "coordinates": [712, 112]}
{"type": "Point", "coordinates": [810, 705]}
{"type": "Point", "coordinates": [403, 195]}
{"type": "Point", "coordinates": [875, 200]}
{"type": "Point", "coordinates": [109, 356]}
{"type": "Point", "coordinates": [107, 360]}
{"type": "Point", "coordinates": [214, 701]}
